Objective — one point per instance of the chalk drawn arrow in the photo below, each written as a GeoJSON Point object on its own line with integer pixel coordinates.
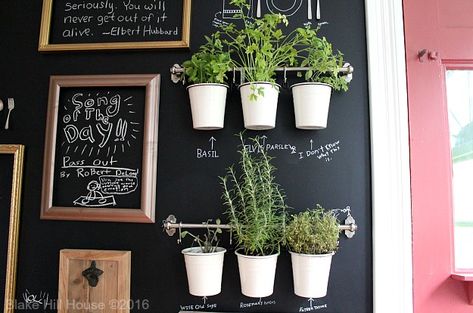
{"type": "Point", "coordinates": [264, 140]}
{"type": "Point", "coordinates": [212, 140]}
{"type": "Point", "coordinates": [204, 298]}
{"type": "Point", "coordinates": [310, 301]}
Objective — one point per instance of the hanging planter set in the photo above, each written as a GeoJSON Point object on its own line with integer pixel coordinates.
{"type": "Point", "coordinates": [261, 50]}
{"type": "Point", "coordinates": [259, 222]}
{"type": "Point", "coordinates": [256, 209]}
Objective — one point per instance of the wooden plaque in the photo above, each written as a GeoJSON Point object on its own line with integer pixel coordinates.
{"type": "Point", "coordinates": [112, 290]}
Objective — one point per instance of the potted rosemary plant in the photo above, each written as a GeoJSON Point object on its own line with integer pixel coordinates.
{"type": "Point", "coordinates": [207, 71]}
{"type": "Point", "coordinates": [259, 47]}
{"type": "Point", "coordinates": [204, 264]}
{"type": "Point", "coordinates": [312, 98]}
{"type": "Point", "coordinates": [256, 211]}
{"type": "Point", "coordinates": [312, 238]}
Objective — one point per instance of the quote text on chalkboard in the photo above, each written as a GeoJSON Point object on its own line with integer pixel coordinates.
{"type": "Point", "coordinates": [106, 22]}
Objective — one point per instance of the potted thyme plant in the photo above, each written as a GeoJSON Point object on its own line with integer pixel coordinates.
{"type": "Point", "coordinates": [207, 71]}
{"type": "Point", "coordinates": [312, 238]}
{"type": "Point", "coordinates": [256, 211]}
{"type": "Point", "coordinates": [259, 47]}
{"type": "Point", "coordinates": [312, 98]}
{"type": "Point", "coordinates": [204, 263]}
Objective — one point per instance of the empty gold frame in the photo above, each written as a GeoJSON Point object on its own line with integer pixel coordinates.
{"type": "Point", "coordinates": [45, 45]}
{"type": "Point", "coordinates": [17, 151]}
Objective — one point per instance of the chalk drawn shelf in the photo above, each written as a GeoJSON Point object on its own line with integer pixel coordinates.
{"type": "Point", "coordinates": [467, 278]}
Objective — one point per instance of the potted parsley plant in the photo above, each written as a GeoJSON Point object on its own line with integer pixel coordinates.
{"type": "Point", "coordinates": [259, 47]}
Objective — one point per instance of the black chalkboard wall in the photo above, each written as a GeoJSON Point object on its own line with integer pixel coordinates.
{"type": "Point", "coordinates": [187, 184]}
{"type": "Point", "coordinates": [120, 181]}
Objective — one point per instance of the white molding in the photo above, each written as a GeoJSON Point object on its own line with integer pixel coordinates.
{"type": "Point", "coordinates": [392, 231]}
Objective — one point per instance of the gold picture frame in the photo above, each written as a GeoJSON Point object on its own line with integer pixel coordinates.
{"type": "Point", "coordinates": [14, 223]}
{"type": "Point", "coordinates": [146, 212]}
{"type": "Point", "coordinates": [46, 46]}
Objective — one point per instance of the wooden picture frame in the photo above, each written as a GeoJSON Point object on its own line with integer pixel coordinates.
{"type": "Point", "coordinates": [45, 44]}
{"type": "Point", "coordinates": [17, 151]}
{"type": "Point", "coordinates": [145, 213]}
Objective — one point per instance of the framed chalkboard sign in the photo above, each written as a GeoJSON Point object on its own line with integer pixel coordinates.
{"type": "Point", "coordinates": [11, 164]}
{"type": "Point", "coordinates": [114, 24]}
{"type": "Point", "coordinates": [100, 155]}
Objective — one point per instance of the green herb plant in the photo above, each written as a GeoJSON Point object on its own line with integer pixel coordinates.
{"type": "Point", "coordinates": [210, 240]}
{"type": "Point", "coordinates": [317, 53]}
{"type": "Point", "coordinates": [313, 232]}
{"type": "Point", "coordinates": [210, 63]}
{"type": "Point", "coordinates": [255, 202]}
{"type": "Point", "coordinates": [259, 46]}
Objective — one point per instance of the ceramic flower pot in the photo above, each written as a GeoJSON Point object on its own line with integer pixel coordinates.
{"type": "Point", "coordinates": [257, 274]}
{"type": "Point", "coordinates": [311, 104]}
{"type": "Point", "coordinates": [310, 274]}
{"type": "Point", "coordinates": [207, 105]}
{"type": "Point", "coordinates": [259, 113]}
{"type": "Point", "coordinates": [204, 271]}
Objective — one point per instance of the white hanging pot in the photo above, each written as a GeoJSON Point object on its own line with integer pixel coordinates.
{"type": "Point", "coordinates": [257, 274]}
{"type": "Point", "coordinates": [311, 104]}
{"type": "Point", "coordinates": [204, 271]}
{"type": "Point", "coordinates": [207, 105]}
{"type": "Point", "coordinates": [310, 274]}
{"type": "Point", "coordinates": [259, 113]}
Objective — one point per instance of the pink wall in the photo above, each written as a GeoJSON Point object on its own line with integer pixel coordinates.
{"type": "Point", "coordinates": [434, 290]}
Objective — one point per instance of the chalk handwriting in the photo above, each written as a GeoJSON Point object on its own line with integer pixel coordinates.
{"type": "Point", "coordinates": [260, 302]}
{"type": "Point", "coordinates": [198, 306]}
{"type": "Point", "coordinates": [92, 122]}
{"type": "Point", "coordinates": [266, 145]}
{"type": "Point", "coordinates": [312, 308]}
{"type": "Point", "coordinates": [118, 18]}
{"type": "Point", "coordinates": [105, 181]}
{"type": "Point", "coordinates": [98, 128]}
{"type": "Point", "coordinates": [324, 152]}
{"type": "Point", "coordinates": [209, 152]}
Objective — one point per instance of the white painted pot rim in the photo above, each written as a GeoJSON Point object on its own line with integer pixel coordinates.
{"type": "Point", "coordinates": [311, 83]}
{"type": "Point", "coordinates": [312, 255]}
{"type": "Point", "coordinates": [255, 256]}
{"type": "Point", "coordinates": [198, 251]}
{"type": "Point", "coordinates": [207, 84]}
{"type": "Point", "coordinates": [260, 83]}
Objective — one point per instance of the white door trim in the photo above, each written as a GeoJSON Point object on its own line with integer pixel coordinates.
{"type": "Point", "coordinates": [391, 199]}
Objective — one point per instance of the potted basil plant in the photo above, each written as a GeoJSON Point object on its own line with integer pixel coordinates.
{"type": "Point", "coordinates": [259, 47]}
{"type": "Point", "coordinates": [207, 71]}
{"type": "Point", "coordinates": [312, 238]}
{"type": "Point", "coordinates": [256, 211]}
{"type": "Point", "coordinates": [312, 98]}
{"type": "Point", "coordinates": [204, 263]}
